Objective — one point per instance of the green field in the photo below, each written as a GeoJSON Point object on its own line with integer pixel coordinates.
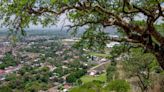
{"type": "Point", "coordinates": [99, 54]}
{"type": "Point", "coordinates": [89, 78]}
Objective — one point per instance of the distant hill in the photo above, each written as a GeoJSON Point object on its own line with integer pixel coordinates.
{"type": "Point", "coordinates": [55, 32]}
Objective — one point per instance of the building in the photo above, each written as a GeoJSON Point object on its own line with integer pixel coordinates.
{"type": "Point", "coordinates": [92, 73]}
{"type": "Point", "coordinates": [2, 72]}
{"type": "Point", "coordinates": [66, 87]}
{"type": "Point", "coordinates": [2, 75]}
{"type": "Point", "coordinates": [112, 44]}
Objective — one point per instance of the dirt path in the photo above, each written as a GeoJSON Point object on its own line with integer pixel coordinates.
{"type": "Point", "coordinates": [100, 65]}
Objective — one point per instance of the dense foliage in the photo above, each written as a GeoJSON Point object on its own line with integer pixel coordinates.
{"type": "Point", "coordinates": [73, 77]}
{"type": "Point", "coordinates": [141, 65]}
{"type": "Point", "coordinates": [97, 86]}
{"type": "Point", "coordinates": [28, 79]}
{"type": "Point", "coordinates": [8, 60]}
{"type": "Point", "coordinates": [94, 16]}
{"type": "Point", "coordinates": [118, 86]}
{"type": "Point", "coordinates": [140, 23]}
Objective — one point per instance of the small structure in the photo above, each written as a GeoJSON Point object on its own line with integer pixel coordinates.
{"type": "Point", "coordinates": [92, 73]}
{"type": "Point", "coordinates": [66, 61]}
{"type": "Point", "coordinates": [112, 44]}
{"type": "Point", "coordinates": [2, 73]}
{"type": "Point", "coordinates": [64, 67]}
{"type": "Point", "coordinates": [66, 87]}
{"type": "Point", "coordinates": [103, 60]}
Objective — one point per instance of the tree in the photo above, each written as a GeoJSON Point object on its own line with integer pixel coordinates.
{"type": "Point", "coordinates": [95, 86]}
{"type": "Point", "coordinates": [74, 76]}
{"type": "Point", "coordinates": [111, 72]}
{"type": "Point", "coordinates": [98, 86]}
{"type": "Point", "coordinates": [162, 83]}
{"type": "Point", "coordinates": [8, 60]}
{"type": "Point", "coordinates": [140, 65]}
{"type": "Point", "coordinates": [94, 15]}
{"type": "Point", "coordinates": [116, 51]}
{"type": "Point", "coordinates": [71, 78]}
{"type": "Point", "coordinates": [33, 87]}
{"type": "Point", "coordinates": [118, 86]}
{"type": "Point", "coordinates": [5, 89]}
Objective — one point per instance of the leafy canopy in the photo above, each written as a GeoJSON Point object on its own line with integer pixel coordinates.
{"type": "Point", "coordinates": [93, 15]}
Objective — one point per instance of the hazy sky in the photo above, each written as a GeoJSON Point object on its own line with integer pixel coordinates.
{"type": "Point", "coordinates": [64, 21]}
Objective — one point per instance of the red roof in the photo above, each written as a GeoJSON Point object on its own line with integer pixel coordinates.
{"type": "Point", "coordinates": [67, 86]}
{"type": "Point", "coordinates": [2, 72]}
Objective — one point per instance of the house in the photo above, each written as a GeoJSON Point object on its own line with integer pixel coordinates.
{"type": "Point", "coordinates": [112, 44]}
{"type": "Point", "coordinates": [66, 87]}
{"type": "Point", "coordinates": [37, 59]}
{"type": "Point", "coordinates": [22, 62]}
{"type": "Point", "coordinates": [2, 72]}
{"type": "Point", "coordinates": [92, 73]}
{"type": "Point", "coordinates": [85, 64]}
{"type": "Point", "coordinates": [66, 61]}
{"type": "Point", "coordinates": [103, 60]}
{"type": "Point", "coordinates": [76, 57]}
{"type": "Point", "coordinates": [2, 75]}
{"type": "Point", "coordinates": [10, 69]}
{"type": "Point", "coordinates": [64, 67]}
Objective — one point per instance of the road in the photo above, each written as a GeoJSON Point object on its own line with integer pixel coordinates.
{"type": "Point", "coordinates": [97, 66]}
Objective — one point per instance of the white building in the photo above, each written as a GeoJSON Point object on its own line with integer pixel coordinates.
{"type": "Point", "coordinates": [112, 44]}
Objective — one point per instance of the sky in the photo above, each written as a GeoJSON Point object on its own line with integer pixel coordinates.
{"type": "Point", "coordinates": [64, 21]}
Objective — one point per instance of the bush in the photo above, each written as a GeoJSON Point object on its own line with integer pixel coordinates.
{"type": "Point", "coordinates": [118, 86]}
{"type": "Point", "coordinates": [94, 86]}
{"type": "Point", "coordinates": [74, 76]}
{"type": "Point", "coordinates": [8, 60]}
{"type": "Point", "coordinates": [5, 89]}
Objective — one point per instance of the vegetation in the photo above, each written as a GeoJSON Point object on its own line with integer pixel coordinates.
{"type": "Point", "coordinates": [5, 89]}
{"type": "Point", "coordinates": [99, 55]}
{"type": "Point", "coordinates": [118, 86]}
{"type": "Point", "coordinates": [111, 71]}
{"type": "Point", "coordinates": [8, 60]}
{"type": "Point", "coordinates": [141, 65]}
{"type": "Point", "coordinates": [96, 15]}
{"type": "Point", "coordinates": [139, 25]}
{"type": "Point", "coordinates": [75, 76]}
{"type": "Point", "coordinates": [89, 78]}
{"type": "Point", "coordinates": [137, 66]}
{"type": "Point", "coordinates": [35, 87]}
{"type": "Point", "coordinates": [36, 76]}
{"type": "Point", "coordinates": [98, 86]}
{"type": "Point", "coordinates": [89, 87]}
{"type": "Point", "coordinates": [30, 80]}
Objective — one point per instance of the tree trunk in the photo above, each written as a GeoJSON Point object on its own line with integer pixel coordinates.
{"type": "Point", "coordinates": [160, 58]}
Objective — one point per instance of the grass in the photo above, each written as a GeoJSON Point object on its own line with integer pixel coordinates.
{"type": "Point", "coordinates": [89, 78]}
{"type": "Point", "coordinates": [99, 54]}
